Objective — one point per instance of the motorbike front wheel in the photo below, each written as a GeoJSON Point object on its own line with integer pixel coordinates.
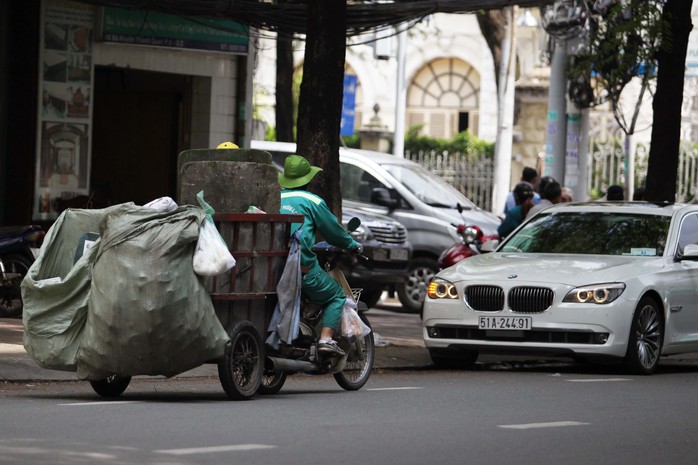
{"type": "Point", "coordinates": [360, 356]}
{"type": "Point", "coordinates": [240, 370]}
{"type": "Point", "coordinates": [11, 304]}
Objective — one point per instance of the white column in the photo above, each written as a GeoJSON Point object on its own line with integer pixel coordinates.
{"type": "Point", "coordinates": [557, 108]}
{"type": "Point", "coordinates": [400, 97]}
{"type": "Point", "coordinates": [503, 146]}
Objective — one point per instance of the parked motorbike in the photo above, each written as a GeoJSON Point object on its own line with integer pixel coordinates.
{"type": "Point", "coordinates": [19, 247]}
{"type": "Point", "coordinates": [351, 370]}
{"type": "Point", "coordinates": [471, 240]}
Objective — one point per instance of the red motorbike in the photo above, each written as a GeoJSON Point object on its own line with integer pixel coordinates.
{"type": "Point", "coordinates": [471, 240]}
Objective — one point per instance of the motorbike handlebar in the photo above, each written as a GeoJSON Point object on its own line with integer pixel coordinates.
{"type": "Point", "coordinates": [325, 248]}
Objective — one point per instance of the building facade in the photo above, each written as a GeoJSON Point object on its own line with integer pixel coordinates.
{"type": "Point", "coordinates": [98, 102]}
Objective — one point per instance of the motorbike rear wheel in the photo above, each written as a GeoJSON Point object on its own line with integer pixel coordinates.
{"type": "Point", "coordinates": [360, 357]}
{"type": "Point", "coordinates": [240, 370]}
{"type": "Point", "coordinates": [11, 304]}
{"type": "Point", "coordinates": [272, 382]}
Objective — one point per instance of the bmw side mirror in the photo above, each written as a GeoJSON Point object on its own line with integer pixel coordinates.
{"type": "Point", "coordinates": [382, 197]}
{"type": "Point", "coordinates": [690, 252]}
{"type": "Point", "coordinates": [489, 245]}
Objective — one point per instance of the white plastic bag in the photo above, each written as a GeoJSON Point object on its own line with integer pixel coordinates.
{"type": "Point", "coordinates": [211, 256]}
{"type": "Point", "coordinates": [352, 325]}
{"type": "Point", "coordinates": [163, 204]}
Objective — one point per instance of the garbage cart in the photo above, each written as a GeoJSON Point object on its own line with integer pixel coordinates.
{"type": "Point", "coordinates": [244, 298]}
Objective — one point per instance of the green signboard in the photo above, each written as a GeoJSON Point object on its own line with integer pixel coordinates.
{"type": "Point", "coordinates": [140, 27]}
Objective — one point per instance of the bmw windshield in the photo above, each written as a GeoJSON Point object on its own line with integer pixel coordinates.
{"type": "Point", "coordinates": [428, 187]}
{"type": "Point", "coordinates": [602, 233]}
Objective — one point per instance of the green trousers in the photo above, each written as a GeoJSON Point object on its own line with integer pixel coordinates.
{"type": "Point", "coordinates": [323, 290]}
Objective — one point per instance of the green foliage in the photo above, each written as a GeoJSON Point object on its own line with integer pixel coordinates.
{"type": "Point", "coordinates": [464, 143]}
{"type": "Point", "coordinates": [353, 141]}
{"type": "Point", "coordinates": [623, 44]}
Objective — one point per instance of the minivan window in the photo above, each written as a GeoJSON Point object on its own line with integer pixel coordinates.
{"type": "Point", "coordinates": [427, 187]}
{"type": "Point", "coordinates": [356, 183]}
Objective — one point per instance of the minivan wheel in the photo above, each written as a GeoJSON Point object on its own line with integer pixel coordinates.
{"type": "Point", "coordinates": [412, 293]}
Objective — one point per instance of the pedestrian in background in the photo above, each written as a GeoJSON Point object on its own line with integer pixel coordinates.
{"type": "Point", "coordinates": [523, 195]}
{"type": "Point", "coordinates": [615, 192]}
{"type": "Point", "coordinates": [551, 194]}
{"type": "Point", "coordinates": [529, 175]}
{"type": "Point", "coordinates": [567, 195]}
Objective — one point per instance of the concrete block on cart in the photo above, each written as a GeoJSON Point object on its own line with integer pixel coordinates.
{"type": "Point", "coordinates": [240, 155]}
{"type": "Point", "coordinates": [229, 186]}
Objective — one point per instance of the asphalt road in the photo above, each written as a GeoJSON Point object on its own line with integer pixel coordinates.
{"type": "Point", "coordinates": [534, 415]}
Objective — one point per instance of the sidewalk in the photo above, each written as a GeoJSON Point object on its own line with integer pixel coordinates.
{"type": "Point", "coordinates": [398, 339]}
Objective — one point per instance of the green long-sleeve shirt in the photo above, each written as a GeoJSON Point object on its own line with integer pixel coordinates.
{"type": "Point", "coordinates": [318, 218]}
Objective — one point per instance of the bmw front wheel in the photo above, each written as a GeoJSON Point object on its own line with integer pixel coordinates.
{"type": "Point", "coordinates": [646, 338]}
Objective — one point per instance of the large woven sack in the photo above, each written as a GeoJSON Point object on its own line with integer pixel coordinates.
{"type": "Point", "coordinates": [149, 313]}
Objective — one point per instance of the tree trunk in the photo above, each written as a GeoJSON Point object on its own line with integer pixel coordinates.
{"type": "Point", "coordinates": [493, 27]}
{"type": "Point", "coordinates": [320, 103]}
{"type": "Point", "coordinates": [284, 87]}
{"type": "Point", "coordinates": [666, 130]}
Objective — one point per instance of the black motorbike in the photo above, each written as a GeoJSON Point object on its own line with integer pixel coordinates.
{"type": "Point", "coordinates": [19, 247]}
{"type": "Point", "coordinates": [351, 370]}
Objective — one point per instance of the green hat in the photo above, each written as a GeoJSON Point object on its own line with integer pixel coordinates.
{"type": "Point", "coordinates": [297, 172]}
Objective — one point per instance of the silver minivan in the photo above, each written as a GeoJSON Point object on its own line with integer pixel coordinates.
{"type": "Point", "coordinates": [424, 203]}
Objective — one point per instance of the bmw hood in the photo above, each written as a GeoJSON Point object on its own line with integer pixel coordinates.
{"type": "Point", "coordinates": [543, 268]}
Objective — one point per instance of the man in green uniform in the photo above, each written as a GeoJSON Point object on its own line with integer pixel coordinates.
{"type": "Point", "coordinates": [317, 284]}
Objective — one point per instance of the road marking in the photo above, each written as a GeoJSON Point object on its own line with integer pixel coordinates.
{"type": "Point", "coordinates": [209, 450]}
{"type": "Point", "coordinates": [552, 424]}
{"type": "Point", "coordinates": [107, 402]}
{"type": "Point", "coordinates": [597, 380]}
{"type": "Point", "coordinates": [405, 388]}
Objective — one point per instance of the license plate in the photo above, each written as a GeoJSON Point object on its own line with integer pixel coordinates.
{"type": "Point", "coordinates": [505, 322]}
{"type": "Point", "coordinates": [398, 254]}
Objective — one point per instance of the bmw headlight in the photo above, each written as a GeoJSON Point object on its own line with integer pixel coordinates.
{"type": "Point", "coordinates": [442, 289]}
{"type": "Point", "coordinates": [595, 294]}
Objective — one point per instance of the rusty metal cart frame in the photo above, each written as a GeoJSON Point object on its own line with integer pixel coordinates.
{"type": "Point", "coordinates": [244, 298]}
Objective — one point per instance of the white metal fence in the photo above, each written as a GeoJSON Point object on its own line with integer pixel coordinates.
{"type": "Point", "coordinates": [607, 163]}
{"type": "Point", "coordinates": [472, 177]}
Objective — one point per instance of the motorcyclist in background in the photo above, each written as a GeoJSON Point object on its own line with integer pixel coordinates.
{"type": "Point", "coordinates": [317, 285]}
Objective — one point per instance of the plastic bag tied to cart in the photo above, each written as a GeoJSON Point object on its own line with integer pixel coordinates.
{"type": "Point", "coordinates": [212, 256]}
{"type": "Point", "coordinates": [149, 313]}
{"type": "Point", "coordinates": [286, 318]}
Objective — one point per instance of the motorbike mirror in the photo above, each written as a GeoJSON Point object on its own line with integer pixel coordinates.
{"type": "Point", "coordinates": [353, 224]}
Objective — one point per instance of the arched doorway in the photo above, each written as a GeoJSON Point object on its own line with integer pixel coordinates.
{"type": "Point", "coordinates": [443, 97]}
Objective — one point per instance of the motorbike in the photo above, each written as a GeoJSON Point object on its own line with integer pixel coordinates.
{"type": "Point", "coordinates": [471, 240]}
{"type": "Point", "coordinates": [19, 247]}
{"type": "Point", "coordinates": [351, 370]}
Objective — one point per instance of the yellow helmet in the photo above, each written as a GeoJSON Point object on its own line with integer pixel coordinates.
{"type": "Point", "coordinates": [227, 145]}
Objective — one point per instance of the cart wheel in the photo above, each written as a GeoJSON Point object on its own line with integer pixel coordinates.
{"type": "Point", "coordinates": [113, 386]}
{"type": "Point", "coordinates": [240, 369]}
{"type": "Point", "coordinates": [272, 382]}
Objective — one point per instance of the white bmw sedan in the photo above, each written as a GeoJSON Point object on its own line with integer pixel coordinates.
{"type": "Point", "coordinates": [615, 280]}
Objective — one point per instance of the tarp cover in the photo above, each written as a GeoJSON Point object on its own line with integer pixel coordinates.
{"type": "Point", "coordinates": [149, 313]}
{"type": "Point", "coordinates": [130, 305]}
{"type": "Point", "coordinates": [55, 291]}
